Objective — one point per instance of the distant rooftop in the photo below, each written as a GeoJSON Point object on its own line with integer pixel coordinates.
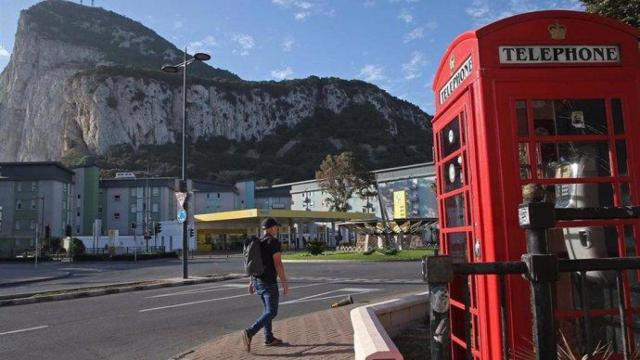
{"type": "Point", "coordinates": [35, 171]}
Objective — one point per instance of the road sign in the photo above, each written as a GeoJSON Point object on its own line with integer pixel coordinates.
{"type": "Point", "coordinates": [181, 216]}
{"type": "Point", "coordinates": [181, 197]}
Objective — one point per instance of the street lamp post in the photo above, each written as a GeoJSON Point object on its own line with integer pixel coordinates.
{"type": "Point", "coordinates": [183, 181]}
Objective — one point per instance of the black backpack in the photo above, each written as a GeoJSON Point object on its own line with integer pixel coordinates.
{"type": "Point", "coordinates": [252, 252]}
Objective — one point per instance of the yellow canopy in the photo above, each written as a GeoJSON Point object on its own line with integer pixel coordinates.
{"type": "Point", "coordinates": [255, 215]}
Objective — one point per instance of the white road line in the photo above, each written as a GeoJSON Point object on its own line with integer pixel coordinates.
{"type": "Point", "coordinates": [216, 299]}
{"type": "Point", "coordinates": [24, 330]}
{"type": "Point", "coordinates": [201, 290]}
{"type": "Point", "coordinates": [316, 297]}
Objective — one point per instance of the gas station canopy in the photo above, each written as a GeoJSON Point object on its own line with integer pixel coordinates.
{"type": "Point", "coordinates": [252, 217]}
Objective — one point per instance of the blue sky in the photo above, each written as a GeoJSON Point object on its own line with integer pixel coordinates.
{"type": "Point", "coordinates": [395, 44]}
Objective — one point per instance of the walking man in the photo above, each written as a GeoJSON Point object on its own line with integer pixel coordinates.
{"type": "Point", "coordinates": [266, 285]}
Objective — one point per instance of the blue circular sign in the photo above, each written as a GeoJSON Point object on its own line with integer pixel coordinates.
{"type": "Point", "coordinates": [181, 216]}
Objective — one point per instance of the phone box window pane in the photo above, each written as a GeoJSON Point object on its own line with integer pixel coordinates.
{"type": "Point", "coordinates": [575, 195]}
{"type": "Point", "coordinates": [453, 174]}
{"type": "Point", "coordinates": [569, 117]}
{"type": "Point", "coordinates": [521, 114]}
{"type": "Point", "coordinates": [523, 157]}
{"type": "Point", "coordinates": [574, 159]}
{"type": "Point", "coordinates": [626, 195]}
{"type": "Point", "coordinates": [616, 111]}
{"type": "Point", "coordinates": [450, 137]}
{"type": "Point", "coordinates": [457, 246]}
{"type": "Point", "coordinates": [455, 211]}
{"type": "Point", "coordinates": [621, 153]}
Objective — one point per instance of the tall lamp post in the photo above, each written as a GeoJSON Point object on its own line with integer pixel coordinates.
{"type": "Point", "coordinates": [183, 181]}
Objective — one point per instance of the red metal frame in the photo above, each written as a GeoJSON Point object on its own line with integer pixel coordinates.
{"type": "Point", "coordinates": [491, 164]}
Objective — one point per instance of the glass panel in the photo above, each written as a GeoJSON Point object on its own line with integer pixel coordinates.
{"type": "Point", "coordinates": [574, 195]}
{"type": "Point", "coordinates": [574, 159]}
{"type": "Point", "coordinates": [616, 111]}
{"type": "Point", "coordinates": [621, 152]}
{"type": "Point", "coordinates": [569, 117]}
{"type": "Point", "coordinates": [523, 155]}
{"type": "Point", "coordinates": [455, 211]}
{"type": "Point", "coordinates": [626, 195]}
{"type": "Point", "coordinates": [457, 246]}
{"type": "Point", "coordinates": [453, 174]}
{"type": "Point", "coordinates": [450, 137]}
{"type": "Point", "coordinates": [521, 114]}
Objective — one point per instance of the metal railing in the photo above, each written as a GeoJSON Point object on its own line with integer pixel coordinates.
{"type": "Point", "coordinates": [541, 269]}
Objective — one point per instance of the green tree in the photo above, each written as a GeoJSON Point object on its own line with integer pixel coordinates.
{"type": "Point", "coordinates": [625, 10]}
{"type": "Point", "coordinates": [342, 176]}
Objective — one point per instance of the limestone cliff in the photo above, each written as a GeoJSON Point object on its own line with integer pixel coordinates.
{"type": "Point", "coordinates": [86, 79]}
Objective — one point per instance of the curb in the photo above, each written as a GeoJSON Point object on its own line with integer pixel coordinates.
{"type": "Point", "coordinates": [35, 279]}
{"type": "Point", "coordinates": [101, 291]}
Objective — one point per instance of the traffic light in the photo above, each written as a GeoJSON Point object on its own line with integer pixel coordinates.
{"type": "Point", "coordinates": [191, 232]}
{"type": "Point", "coordinates": [157, 228]}
{"type": "Point", "coordinates": [67, 231]}
{"type": "Point", "coordinates": [47, 232]}
{"type": "Point", "coordinates": [133, 225]}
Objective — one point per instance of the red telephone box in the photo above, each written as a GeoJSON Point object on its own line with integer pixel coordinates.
{"type": "Point", "coordinates": [549, 98]}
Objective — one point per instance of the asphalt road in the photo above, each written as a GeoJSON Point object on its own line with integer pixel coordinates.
{"type": "Point", "coordinates": [158, 324]}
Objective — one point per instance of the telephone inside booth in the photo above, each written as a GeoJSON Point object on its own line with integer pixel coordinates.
{"type": "Point", "coordinates": [573, 158]}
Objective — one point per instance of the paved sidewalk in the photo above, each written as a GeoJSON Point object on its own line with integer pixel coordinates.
{"type": "Point", "coordinates": [19, 276]}
{"type": "Point", "coordinates": [321, 335]}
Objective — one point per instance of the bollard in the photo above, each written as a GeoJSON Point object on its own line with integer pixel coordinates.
{"type": "Point", "coordinates": [438, 274]}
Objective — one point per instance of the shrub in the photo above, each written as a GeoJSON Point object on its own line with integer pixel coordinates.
{"type": "Point", "coordinates": [76, 247]}
{"type": "Point", "coordinates": [314, 248]}
{"type": "Point", "coordinates": [369, 252]}
{"type": "Point", "coordinates": [388, 252]}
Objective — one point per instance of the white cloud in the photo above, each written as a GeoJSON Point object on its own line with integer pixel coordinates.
{"type": "Point", "coordinates": [203, 45]}
{"type": "Point", "coordinates": [413, 68]}
{"type": "Point", "coordinates": [302, 15]}
{"type": "Point", "coordinates": [415, 34]}
{"type": "Point", "coordinates": [282, 74]}
{"type": "Point", "coordinates": [4, 52]}
{"type": "Point", "coordinates": [177, 24]}
{"type": "Point", "coordinates": [371, 72]}
{"type": "Point", "coordinates": [302, 9]}
{"type": "Point", "coordinates": [483, 12]}
{"type": "Point", "coordinates": [406, 16]}
{"type": "Point", "coordinates": [245, 42]}
{"type": "Point", "coordinates": [287, 44]}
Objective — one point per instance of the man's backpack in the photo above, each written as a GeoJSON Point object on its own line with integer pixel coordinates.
{"type": "Point", "coordinates": [252, 252]}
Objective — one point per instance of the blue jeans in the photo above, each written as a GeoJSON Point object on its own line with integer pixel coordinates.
{"type": "Point", "coordinates": [270, 297]}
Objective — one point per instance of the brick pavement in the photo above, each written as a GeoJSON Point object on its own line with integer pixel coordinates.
{"type": "Point", "coordinates": [325, 335]}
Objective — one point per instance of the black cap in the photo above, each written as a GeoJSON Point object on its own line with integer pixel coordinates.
{"type": "Point", "coordinates": [269, 222]}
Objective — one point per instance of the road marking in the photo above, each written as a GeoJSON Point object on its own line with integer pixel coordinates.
{"type": "Point", "coordinates": [359, 281]}
{"type": "Point", "coordinates": [201, 290]}
{"type": "Point", "coordinates": [24, 330]}
{"type": "Point", "coordinates": [81, 269]}
{"type": "Point", "coordinates": [216, 299]}
{"type": "Point", "coordinates": [317, 297]}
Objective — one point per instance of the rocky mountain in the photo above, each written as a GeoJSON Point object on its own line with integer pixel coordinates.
{"type": "Point", "coordinates": [84, 81]}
